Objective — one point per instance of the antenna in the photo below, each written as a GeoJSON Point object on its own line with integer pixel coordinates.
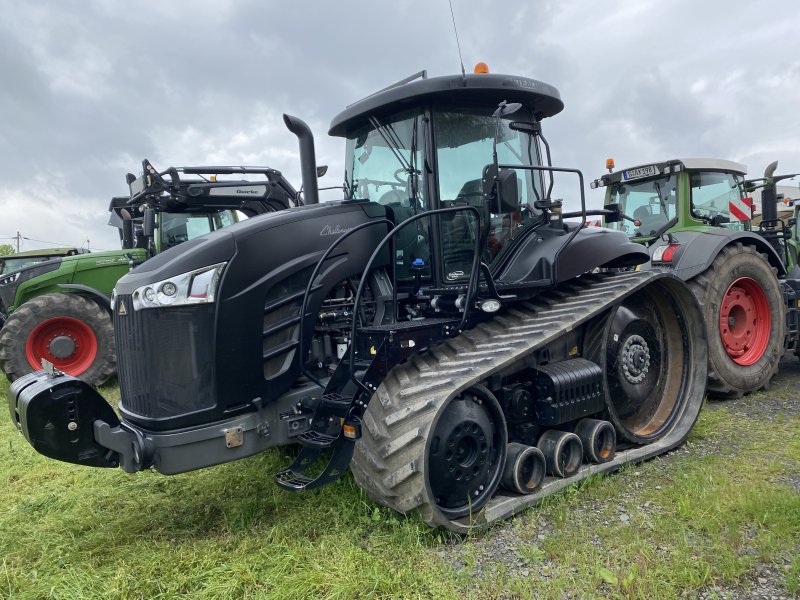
{"type": "Point", "coordinates": [458, 44]}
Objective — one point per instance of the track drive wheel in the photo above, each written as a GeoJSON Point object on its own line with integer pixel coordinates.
{"type": "Point", "coordinates": [72, 332]}
{"type": "Point", "coordinates": [652, 350]}
{"type": "Point", "coordinates": [743, 309]}
{"type": "Point", "coordinates": [443, 458]}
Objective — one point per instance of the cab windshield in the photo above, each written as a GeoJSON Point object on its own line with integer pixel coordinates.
{"type": "Point", "coordinates": [383, 162]}
{"type": "Point", "coordinates": [384, 165]}
{"type": "Point", "coordinates": [177, 228]}
{"type": "Point", "coordinates": [651, 203]}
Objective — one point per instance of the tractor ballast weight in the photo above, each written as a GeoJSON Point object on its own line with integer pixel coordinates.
{"type": "Point", "coordinates": [694, 217]}
{"type": "Point", "coordinates": [411, 331]}
{"type": "Point", "coordinates": [60, 310]}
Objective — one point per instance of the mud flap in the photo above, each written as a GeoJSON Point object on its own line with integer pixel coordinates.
{"type": "Point", "coordinates": [56, 414]}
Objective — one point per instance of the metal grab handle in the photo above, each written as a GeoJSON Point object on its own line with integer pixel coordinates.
{"type": "Point", "coordinates": [310, 284]}
{"type": "Point", "coordinates": [583, 203]}
{"type": "Point", "coordinates": [470, 288]}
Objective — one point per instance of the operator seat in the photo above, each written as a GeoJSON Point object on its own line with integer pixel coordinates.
{"type": "Point", "coordinates": [471, 193]}
{"type": "Point", "coordinates": [650, 222]}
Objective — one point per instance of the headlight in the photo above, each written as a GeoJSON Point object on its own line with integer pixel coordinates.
{"type": "Point", "coordinates": [9, 279]}
{"type": "Point", "coordinates": [195, 287]}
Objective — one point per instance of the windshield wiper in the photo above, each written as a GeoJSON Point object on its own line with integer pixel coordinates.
{"type": "Point", "coordinates": [392, 142]}
{"type": "Point", "coordinates": [661, 200]}
{"type": "Point", "coordinates": [413, 163]}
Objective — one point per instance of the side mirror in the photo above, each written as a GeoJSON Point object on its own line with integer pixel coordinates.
{"type": "Point", "coordinates": [613, 214]}
{"type": "Point", "coordinates": [127, 229]}
{"type": "Point", "coordinates": [321, 170]}
{"type": "Point", "coordinates": [149, 222]}
{"type": "Point", "coordinates": [501, 189]}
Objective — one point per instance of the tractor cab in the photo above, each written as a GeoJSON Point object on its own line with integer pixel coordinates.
{"type": "Point", "coordinates": [468, 152]}
{"type": "Point", "coordinates": [386, 163]}
{"type": "Point", "coordinates": [678, 194]}
{"type": "Point", "coordinates": [167, 208]}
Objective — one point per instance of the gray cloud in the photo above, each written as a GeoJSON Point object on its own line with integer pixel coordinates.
{"type": "Point", "coordinates": [92, 87]}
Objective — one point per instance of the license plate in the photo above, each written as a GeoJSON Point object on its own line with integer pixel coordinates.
{"type": "Point", "coordinates": [640, 172]}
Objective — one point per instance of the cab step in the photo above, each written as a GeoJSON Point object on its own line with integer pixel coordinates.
{"type": "Point", "coordinates": [297, 478]}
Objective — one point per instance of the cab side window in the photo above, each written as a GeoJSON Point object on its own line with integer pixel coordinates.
{"type": "Point", "coordinates": [711, 194]}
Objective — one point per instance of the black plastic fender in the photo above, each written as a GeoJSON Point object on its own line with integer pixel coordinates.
{"type": "Point", "coordinates": [548, 255]}
{"type": "Point", "coordinates": [699, 249]}
{"type": "Point", "coordinates": [57, 416]}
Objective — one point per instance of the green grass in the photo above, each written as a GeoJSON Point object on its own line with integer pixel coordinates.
{"type": "Point", "coordinates": [698, 519]}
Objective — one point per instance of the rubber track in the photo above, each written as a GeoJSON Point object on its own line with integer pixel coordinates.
{"type": "Point", "coordinates": [389, 458]}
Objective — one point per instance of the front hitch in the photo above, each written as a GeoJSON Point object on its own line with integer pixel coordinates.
{"type": "Point", "coordinates": [59, 415]}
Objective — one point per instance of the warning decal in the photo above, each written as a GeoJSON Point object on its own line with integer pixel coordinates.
{"type": "Point", "coordinates": [740, 209]}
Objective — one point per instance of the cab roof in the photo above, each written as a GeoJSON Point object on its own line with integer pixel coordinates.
{"type": "Point", "coordinates": [489, 89]}
{"type": "Point", "coordinates": [668, 166]}
{"type": "Point", "coordinates": [712, 164]}
{"type": "Point", "coordinates": [47, 252]}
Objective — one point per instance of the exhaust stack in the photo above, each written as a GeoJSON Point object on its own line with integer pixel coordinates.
{"type": "Point", "coordinates": [308, 160]}
{"type": "Point", "coordinates": [769, 195]}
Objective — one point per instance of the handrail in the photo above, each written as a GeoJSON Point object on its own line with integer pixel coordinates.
{"type": "Point", "coordinates": [310, 284]}
{"type": "Point", "coordinates": [583, 203]}
{"type": "Point", "coordinates": [768, 228]}
{"type": "Point", "coordinates": [473, 277]}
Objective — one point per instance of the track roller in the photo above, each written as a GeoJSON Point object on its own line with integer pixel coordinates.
{"type": "Point", "coordinates": [562, 451]}
{"type": "Point", "coordinates": [599, 440]}
{"type": "Point", "coordinates": [525, 469]}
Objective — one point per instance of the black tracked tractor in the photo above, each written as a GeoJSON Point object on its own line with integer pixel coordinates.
{"type": "Point", "coordinates": [442, 330]}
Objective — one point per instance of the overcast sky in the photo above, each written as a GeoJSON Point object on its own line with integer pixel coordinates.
{"type": "Point", "coordinates": [88, 88]}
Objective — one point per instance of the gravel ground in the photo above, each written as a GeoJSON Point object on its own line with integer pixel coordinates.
{"type": "Point", "coordinates": [500, 547]}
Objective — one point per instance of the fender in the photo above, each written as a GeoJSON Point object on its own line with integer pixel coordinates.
{"type": "Point", "coordinates": [84, 290]}
{"type": "Point", "coordinates": [700, 248]}
{"type": "Point", "coordinates": [534, 258]}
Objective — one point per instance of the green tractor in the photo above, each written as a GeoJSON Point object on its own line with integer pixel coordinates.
{"type": "Point", "coordinates": [20, 260]}
{"type": "Point", "coordinates": [694, 216]}
{"type": "Point", "coordinates": [59, 310]}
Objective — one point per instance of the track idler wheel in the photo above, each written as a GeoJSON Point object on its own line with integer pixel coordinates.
{"type": "Point", "coordinates": [563, 452]}
{"type": "Point", "coordinates": [651, 348]}
{"type": "Point", "coordinates": [599, 440]}
{"type": "Point", "coordinates": [466, 452]}
{"type": "Point", "coordinates": [525, 469]}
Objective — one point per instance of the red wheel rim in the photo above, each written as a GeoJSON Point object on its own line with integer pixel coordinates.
{"type": "Point", "coordinates": [744, 321]}
{"type": "Point", "coordinates": [70, 344]}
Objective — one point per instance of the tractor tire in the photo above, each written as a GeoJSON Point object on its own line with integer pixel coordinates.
{"type": "Point", "coordinates": [743, 309]}
{"type": "Point", "coordinates": [72, 332]}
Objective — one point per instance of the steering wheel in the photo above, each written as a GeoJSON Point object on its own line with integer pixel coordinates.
{"type": "Point", "coordinates": [466, 195]}
{"type": "Point", "coordinates": [363, 185]}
